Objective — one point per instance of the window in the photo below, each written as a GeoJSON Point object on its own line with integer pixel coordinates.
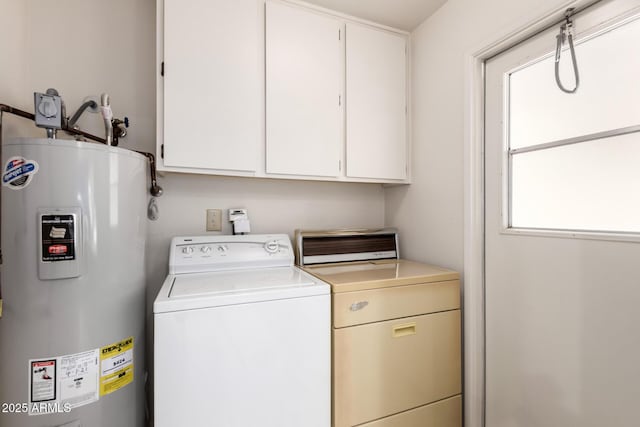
{"type": "Point", "coordinates": [574, 159]}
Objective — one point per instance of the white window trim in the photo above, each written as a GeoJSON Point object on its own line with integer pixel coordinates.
{"type": "Point", "coordinates": [572, 234]}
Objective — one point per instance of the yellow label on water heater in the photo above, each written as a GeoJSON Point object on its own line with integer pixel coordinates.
{"type": "Point", "coordinates": [116, 366]}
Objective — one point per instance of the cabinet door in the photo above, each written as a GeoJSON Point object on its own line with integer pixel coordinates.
{"type": "Point", "coordinates": [303, 89]}
{"type": "Point", "coordinates": [376, 103]}
{"type": "Point", "coordinates": [211, 84]}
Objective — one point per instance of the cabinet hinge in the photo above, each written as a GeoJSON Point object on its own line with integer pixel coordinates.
{"type": "Point", "coordinates": [339, 100]}
{"type": "Point", "coordinates": [162, 69]}
{"type": "Point", "coordinates": [340, 165]}
{"type": "Point", "coordinates": [162, 151]}
{"type": "Point", "coordinates": [339, 34]}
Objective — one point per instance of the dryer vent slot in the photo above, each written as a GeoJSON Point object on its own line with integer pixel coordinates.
{"type": "Point", "coordinates": [343, 246]}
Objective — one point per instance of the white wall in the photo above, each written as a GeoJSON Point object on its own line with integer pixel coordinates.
{"type": "Point", "coordinates": [11, 44]}
{"type": "Point", "coordinates": [429, 212]}
{"type": "Point", "coordinates": [80, 48]}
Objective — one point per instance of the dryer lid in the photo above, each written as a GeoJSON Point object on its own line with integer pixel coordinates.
{"type": "Point", "coordinates": [359, 276]}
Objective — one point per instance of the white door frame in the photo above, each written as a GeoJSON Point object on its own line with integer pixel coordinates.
{"type": "Point", "coordinates": [473, 298]}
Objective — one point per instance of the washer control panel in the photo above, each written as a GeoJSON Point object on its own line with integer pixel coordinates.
{"type": "Point", "coordinates": [212, 253]}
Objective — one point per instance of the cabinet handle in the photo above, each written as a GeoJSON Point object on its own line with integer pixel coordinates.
{"type": "Point", "coordinates": [358, 305]}
{"type": "Point", "coordinates": [404, 330]}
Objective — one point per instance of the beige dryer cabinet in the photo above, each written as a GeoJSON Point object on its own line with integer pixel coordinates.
{"type": "Point", "coordinates": [396, 344]}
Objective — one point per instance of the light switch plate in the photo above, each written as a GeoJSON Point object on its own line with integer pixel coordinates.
{"type": "Point", "coordinates": [214, 219]}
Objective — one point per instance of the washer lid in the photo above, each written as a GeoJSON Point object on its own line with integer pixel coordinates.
{"type": "Point", "coordinates": [202, 290]}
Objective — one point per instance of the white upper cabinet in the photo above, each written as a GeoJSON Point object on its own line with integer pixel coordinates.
{"type": "Point", "coordinates": [209, 97]}
{"type": "Point", "coordinates": [280, 89]}
{"type": "Point", "coordinates": [304, 74]}
{"type": "Point", "coordinates": [376, 103]}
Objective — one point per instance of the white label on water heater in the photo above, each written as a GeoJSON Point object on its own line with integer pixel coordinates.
{"type": "Point", "coordinates": [59, 243]}
{"type": "Point", "coordinates": [79, 378]}
{"type": "Point", "coordinates": [62, 383]}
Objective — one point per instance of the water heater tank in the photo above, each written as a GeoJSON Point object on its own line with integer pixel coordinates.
{"type": "Point", "coordinates": [73, 285]}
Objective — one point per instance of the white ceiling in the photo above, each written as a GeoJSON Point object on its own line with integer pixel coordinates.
{"type": "Point", "coordinates": [402, 14]}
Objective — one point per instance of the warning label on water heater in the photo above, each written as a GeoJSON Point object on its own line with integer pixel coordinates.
{"type": "Point", "coordinates": [58, 237]}
{"type": "Point", "coordinates": [43, 380]}
{"type": "Point", "coordinates": [62, 383]}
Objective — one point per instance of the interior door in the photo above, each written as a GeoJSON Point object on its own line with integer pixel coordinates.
{"type": "Point", "coordinates": [562, 315]}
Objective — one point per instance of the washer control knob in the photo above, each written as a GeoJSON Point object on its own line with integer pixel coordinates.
{"type": "Point", "coordinates": [205, 249]}
{"type": "Point", "coordinates": [222, 248]}
{"type": "Point", "coordinates": [187, 250]}
{"type": "Point", "coordinates": [272, 246]}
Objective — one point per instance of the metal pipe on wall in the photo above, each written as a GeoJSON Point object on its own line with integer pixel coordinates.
{"type": "Point", "coordinates": [155, 190]}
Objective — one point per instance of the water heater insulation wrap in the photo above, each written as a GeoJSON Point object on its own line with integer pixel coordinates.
{"type": "Point", "coordinates": [73, 282]}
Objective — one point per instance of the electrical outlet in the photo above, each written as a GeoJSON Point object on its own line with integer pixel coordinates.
{"type": "Point", "coordinates": [214, 219]}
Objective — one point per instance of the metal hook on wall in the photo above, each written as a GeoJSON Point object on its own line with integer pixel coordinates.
{"type": "Point", "coordinates": [566, 34]}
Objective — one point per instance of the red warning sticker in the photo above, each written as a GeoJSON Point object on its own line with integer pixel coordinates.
{"type": "Point", "coordinates": [43, 380]}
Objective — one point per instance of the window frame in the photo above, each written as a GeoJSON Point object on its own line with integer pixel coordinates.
{"type": "Point", "coordinates": [508, 152]}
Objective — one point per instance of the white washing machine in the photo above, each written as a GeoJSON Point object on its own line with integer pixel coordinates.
{"type": "Point", "coordinates": [241, 337]}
